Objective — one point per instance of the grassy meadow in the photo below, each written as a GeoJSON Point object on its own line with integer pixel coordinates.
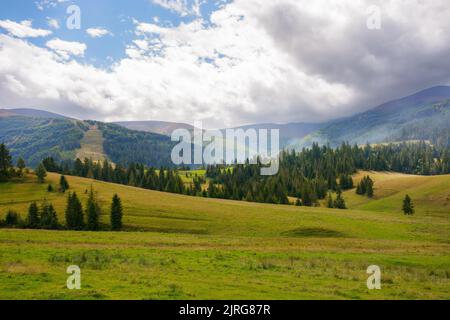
{"type": "Point", "coordinates": [178, 247]}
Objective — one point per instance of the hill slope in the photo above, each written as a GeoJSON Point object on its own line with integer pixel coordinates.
{"type": "Point", "coordinates": [33, 113]}
{"type": "Point", "coordinates": [421, 116]}
{"type": "Point", "coordinates": [37, 136]}
{"type": "Point", "coordinates": [196, 248]}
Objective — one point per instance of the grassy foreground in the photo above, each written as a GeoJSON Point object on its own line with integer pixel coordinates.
{"type": "Point", "coordinates": [181, 247]}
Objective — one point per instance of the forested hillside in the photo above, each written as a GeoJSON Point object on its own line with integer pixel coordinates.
{"type": "Point", "coordinates": [43, 135]}
{"type": "Point", "coordinates": [422, 116]}
{"type": "Point", "coordinates": [124, 146]}
{"type": "Point", "coordinates": [34, 138]}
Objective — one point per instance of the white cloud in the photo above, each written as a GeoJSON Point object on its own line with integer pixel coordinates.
{"type": "Point", "coordinates": [53, 23]}
{"type": "Point", "coordinates": [97, 32]}
{"type": "Point", "coordinates": [45, 4]}
{"type": "Point", "coordinates": [255, 61]}
{"type": "Point", "coordinates": [182, 7]}
{"type": "Point", "coordinates": [23, 29]}
{"type": "Point", "coordinates": [67, 48]}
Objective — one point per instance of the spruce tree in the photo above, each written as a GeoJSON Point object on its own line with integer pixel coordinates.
{"type": "Point", "coordinates": [5, 163]}
{"type": "Point", "coordinates": [20, 166]}
{"type": "Point", "coordinates": [33, 220]}
{"type": "Point", "coordinates": [408, 207]}
{"type": "Point", "coordinates": [339, 203]}
{"type": "Point", "coordinates": [49, 218]}
{"type": "Point", "coordinates": [330, 203]}
{"type": "Point", "coordinates": [74, 213]}
{"type": "Point", "coordinates": [369, 189]}
{"type": "Point", "coordinates": [92, 212]}
{"type": "Point", "coordinates": [12, 219]}
{"type": "Point", "coordinates": [116, 213]}
{"type": "Point", "coordinates": [63, 184]}
{"type": "Point", "coordinates": [41, 173]}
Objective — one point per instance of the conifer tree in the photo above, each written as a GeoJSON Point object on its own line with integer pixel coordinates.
{"type": "Point", "coordinates": [330, 203]}
{"type": "Point", "coordinates": [5, 163]}
{"type": "Point", "coordinates": [12, 219]}
{"type": "Point", "coordinates": [92, 212]}
{"type": "Point", "coordinates": [33, 220]}
{"type": "Point", "coordinates": [63, 184]}
{"type": "Point", "coordinates": [74, 213]}
{"type": "Point", "coordinates": [339, 203]}
{"type": "Point", "coordinates": [49, 218]}
{"type": "Point", "coordinates": [369, 188]}
{"type": "Point", "coordinates": [41, 173]}
{"type": "Point", "coordinates": [20, 166]}
{"type": "Point", "coordinates": [408, 207]}
{"type": "Point", "coordinates": [116, 213]}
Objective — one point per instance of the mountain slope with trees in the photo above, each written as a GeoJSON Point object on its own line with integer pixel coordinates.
{"type": "Point", "coordinates": [421, 116]}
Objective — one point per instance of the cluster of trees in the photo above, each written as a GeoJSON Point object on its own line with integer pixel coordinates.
{"type": "Point", "coordinates": [365, 187]}
{"type": "Point", "coordinates": [89, 219]}
{"type": "Point", "coordinates": [338, 203]}
{"type": "Point", "coordinates": [77, 218]}
{"type": "Point", "coordinates": [136, 175]}
{"type": "Point", "coordinates": [7, 169]}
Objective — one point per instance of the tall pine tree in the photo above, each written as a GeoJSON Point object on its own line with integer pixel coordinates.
{"type": "Point", "coordinates": [92, 212]}
{"type": "Point", "coordinates": [116, 213]}
{"type": "Point", "coordinates": [74, 213]}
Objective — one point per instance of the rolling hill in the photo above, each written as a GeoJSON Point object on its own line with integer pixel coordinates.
{"type": "Point", "coordinates": [179, 247]}
{"type": "Point", "coordinates": [33, 113]}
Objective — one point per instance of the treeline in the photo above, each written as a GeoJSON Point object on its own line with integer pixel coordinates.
{"type": "Point", "coordinates": [136, 175]}
{"type": "Point", "coordinates": [310, 174]}
{"type": "Point", "coordinates": [307, 176]}
{"type": "Point", "coordinates": [76, 217]}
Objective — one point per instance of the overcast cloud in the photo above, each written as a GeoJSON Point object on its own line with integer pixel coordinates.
{"type": "Point", "coordinates": [254, 61]}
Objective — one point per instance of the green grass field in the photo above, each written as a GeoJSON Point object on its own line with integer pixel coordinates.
{"type": "Point", "coordinates": [179, 247]}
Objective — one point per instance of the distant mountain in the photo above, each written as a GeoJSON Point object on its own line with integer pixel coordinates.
{"type": "Point", "coordinates": [34, 113]}
{"type": "Point", "coordinates": [289, 133]}
{"type": "Point", "coordinates": [421, 116]}
{"type": "Point", "coordinates": [159, 127]}
{"type": "Point", "coordinates": [35, 134]}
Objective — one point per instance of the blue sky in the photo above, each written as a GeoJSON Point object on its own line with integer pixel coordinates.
{"type": "Point", "coordinates": [116, 16]}
{"type": "Point", "coordinates": [226, 63]}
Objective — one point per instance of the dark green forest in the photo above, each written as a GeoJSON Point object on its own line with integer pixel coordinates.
{"type": "Point", "coordinates": [125, 146]}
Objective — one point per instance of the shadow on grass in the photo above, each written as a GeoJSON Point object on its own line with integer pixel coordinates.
{"type": "Point", "coordinates": [313, 233]}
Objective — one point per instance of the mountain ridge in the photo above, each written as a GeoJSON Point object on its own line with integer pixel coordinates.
{"type": "Point", "coordinates": [34, 134]}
